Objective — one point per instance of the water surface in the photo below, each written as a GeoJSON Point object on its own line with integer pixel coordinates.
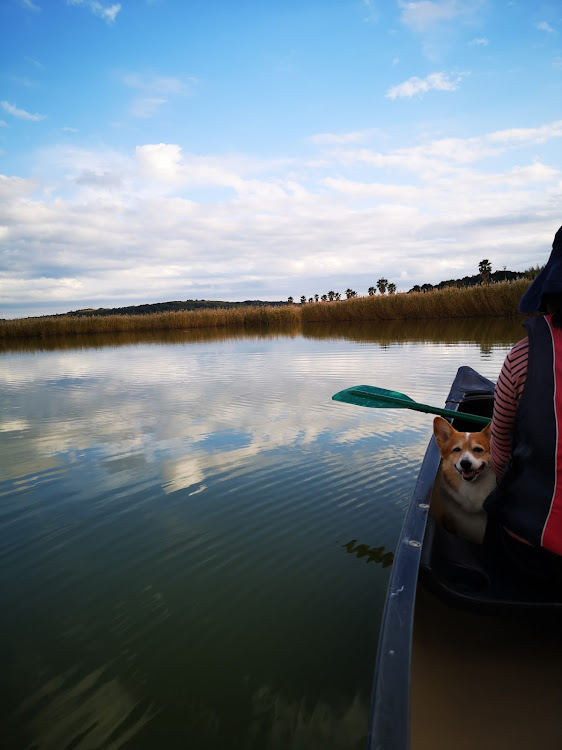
{"type": "Point", "coordinates": [196, 541]}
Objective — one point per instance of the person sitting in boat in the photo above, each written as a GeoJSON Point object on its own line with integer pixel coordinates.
{"type": "Point", "coordinates": [525, 509]}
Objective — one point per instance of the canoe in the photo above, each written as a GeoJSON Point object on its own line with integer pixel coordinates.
{"type": "Point", "coordinates": [460, 591]}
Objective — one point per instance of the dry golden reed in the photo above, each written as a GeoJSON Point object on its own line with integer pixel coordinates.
{"type": "Point", "coordinates": [64, 325]}
{"type": "Point", "coordinates": [495, 300]}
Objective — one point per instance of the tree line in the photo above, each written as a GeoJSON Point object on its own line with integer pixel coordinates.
{"type": "Point", "coordinates": [383, 286]}
{"type": "Point", "coordinates": [485, 275]}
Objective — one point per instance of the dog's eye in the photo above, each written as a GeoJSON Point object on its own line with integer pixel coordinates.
{"type": "Point", "coordinates": [457, 449]}
{"type": "Point", "coordinates": [477, 449]}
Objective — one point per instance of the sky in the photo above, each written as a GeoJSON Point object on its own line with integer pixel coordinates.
{"type": "Point", "coordinates": [155, 150]}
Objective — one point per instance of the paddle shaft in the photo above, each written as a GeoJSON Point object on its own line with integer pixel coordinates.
{"type": "Point", "coordinates": [415, 406]}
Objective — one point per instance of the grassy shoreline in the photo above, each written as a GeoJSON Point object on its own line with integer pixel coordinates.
{"type": "Point", "coordinates": [495, 300]}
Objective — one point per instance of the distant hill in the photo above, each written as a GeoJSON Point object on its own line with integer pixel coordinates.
{"type": "Point", "coordinates": [159, 307]}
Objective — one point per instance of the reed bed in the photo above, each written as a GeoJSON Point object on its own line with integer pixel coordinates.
{"type": "Point", "coordinates": [495, 300]}
{"type": "Point", "coordinates": [66, 325]}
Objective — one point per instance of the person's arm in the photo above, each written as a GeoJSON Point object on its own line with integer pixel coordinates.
{"type": "Point", "coordinates": [506, 397]}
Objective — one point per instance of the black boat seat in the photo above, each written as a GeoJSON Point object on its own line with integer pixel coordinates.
{"type": "Point", "coordinates": [459, 572]}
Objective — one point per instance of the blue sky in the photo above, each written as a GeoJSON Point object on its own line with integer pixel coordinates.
{"type": "Point", "coordinates": [156, 150]}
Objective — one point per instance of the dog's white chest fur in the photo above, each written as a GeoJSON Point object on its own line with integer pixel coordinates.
{"type": "Point", "coordinates": [464, 506]}
{"type": "Point", "coordinates": [471, 495]}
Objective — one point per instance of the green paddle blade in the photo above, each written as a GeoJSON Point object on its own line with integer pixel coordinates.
{"type": "Point", "coordinates": [381, 398]}
{"type": "Point", "coordinates": [375, 398]}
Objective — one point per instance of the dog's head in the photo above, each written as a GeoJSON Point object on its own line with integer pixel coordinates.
{"type": "Point", "coordinates": [468, 452]}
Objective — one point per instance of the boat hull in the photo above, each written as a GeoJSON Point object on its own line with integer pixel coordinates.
{"type": "Point", "coordinates": [458, 572]}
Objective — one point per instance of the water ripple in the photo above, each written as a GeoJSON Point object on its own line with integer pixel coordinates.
{"type": "Point", "coordinates": [188, 531]}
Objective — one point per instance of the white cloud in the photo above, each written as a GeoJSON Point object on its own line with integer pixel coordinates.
{"type": "Point", "coordinates": [34, 62]}
{"type": "Point", "coordinates": [21, 114]}
{"type": "Point", "coordinates": [162, 223]}
{"type": "Point", "coordinates": [12, 187]}
{"type": "Point", "coordinates": [438, 23]}
{"type": "Point", "coordinates": [418, 16]}
{"type": "Point", "coordinates": [160, 161]}
{"type": "Point", "coordinates": [544, 26]}
{"type": "Point", "coordinates": [29, 5]}
{"type": "Point", "coordinates": [161, 85]}
{"type": "Point", "coordinates": [372, 14]}
{"type": "Point", "coordinates": [156, 90]}
{"type": "Point", "coordinates": [418, 86]}
{"type": "Point", "coordinates": [423, 15]}
{"type": "Point", "coordinates": [445, 155]}
{"type": "Point", "coordinates": [479, 42]}
{"type": "Point", "coordinates": [108, 12]}
{"type": "Point", "coordinates": [106, 180]}
{"type": "Point", "coordinates": [3, 124]}
{"type": "Point", "coordinates": [528, 135]}
{"type": "Point", "coordinates": [146, 106]}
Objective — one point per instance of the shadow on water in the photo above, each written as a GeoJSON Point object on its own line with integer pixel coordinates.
{"type": "Point", "coordinates": [485, 332]}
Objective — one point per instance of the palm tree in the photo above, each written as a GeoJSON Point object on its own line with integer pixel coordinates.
{"type": "Point", "coordinates": [485, 270]}
{"type": "Point", "coordinates": [338, 296]}
{"type": "Point", "coordinates": [349, 293]}
{"type": "Point", "coordinates": [303, 300]}
{"type": "Point", "coordinates": [324, 298]}
{"type": "Point", "coordinates": [391, 288]}
{"type": "Point", "coordinates": [290, 300]}
{"type": "Point", "coordinates": [316, 298]}
{"type": "Point", "coordinates": [331, 296]}
{"type": "Point", "coordinates": [372, 291]}
{"type": "Point", "coordinates": [382, 284]}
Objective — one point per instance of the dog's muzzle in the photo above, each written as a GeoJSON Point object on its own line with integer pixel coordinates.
{"type": "Point", "coordinates": [469, 474]}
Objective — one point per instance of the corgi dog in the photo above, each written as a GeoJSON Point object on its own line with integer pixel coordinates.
{"type": "Point", "coordinates": [466, 478]}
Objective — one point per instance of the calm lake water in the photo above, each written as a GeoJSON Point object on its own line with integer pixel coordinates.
{"type": "Point", "coordinates": [196, 540]}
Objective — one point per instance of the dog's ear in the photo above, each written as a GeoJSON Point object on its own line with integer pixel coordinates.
{"type": "Point", "coordinates": [442, 430]}
{"type": "Point", "coordinates": [487, 431]}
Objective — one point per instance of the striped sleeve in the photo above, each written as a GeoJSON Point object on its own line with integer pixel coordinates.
{"type": "Point", "coordinates": [509, 388]}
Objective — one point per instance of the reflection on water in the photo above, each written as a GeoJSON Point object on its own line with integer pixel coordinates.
{"type": "Point", "coordinates": [173, 515]}
{"type": "Point", "coordinates": [179, 336]}
{"type": "Point", "coordinates": [94, 711]}
{"type": "Point", "coordinates": [485, 332]}
{"type": "Point", "coordinates": [372, 554]}
{"type": "Point", "coordinates": [277, 724]}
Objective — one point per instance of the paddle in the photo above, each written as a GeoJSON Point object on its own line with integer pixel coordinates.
{"type": "Point", "coordinates": [380, 398]}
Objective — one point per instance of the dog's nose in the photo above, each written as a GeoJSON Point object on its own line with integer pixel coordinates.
{"type": "Point", "coordinates": [466, 464]}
